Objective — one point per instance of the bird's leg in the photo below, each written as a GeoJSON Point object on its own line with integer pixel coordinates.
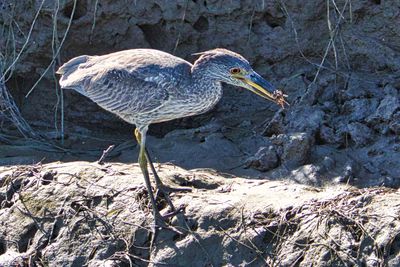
{"type": "Point", "coordinates": [143, 166]}
{"type": "Point", "coordinates": [165, 190]}
{"type": "Point", "coordinates": [158, 219]}
{"type": "Point", "coordinates": [159, 183]}
{"type": "Point", "coordinates": [143, 159]}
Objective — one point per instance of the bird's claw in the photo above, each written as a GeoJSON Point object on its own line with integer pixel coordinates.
{"type": "Point", "coordinates": [167, 189]}
{"type": "Point", "coordinates": [172, 213]}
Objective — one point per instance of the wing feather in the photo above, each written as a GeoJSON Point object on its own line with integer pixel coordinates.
{"type": "Point", "coordinates": [123, 92]}
{"type": "Point", "coordinates": [128, 82]}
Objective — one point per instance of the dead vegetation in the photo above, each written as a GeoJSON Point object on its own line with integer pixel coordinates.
{"type": "Point", "coordinates": [339, 229]}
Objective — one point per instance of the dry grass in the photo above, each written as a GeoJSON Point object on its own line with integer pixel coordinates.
{"type": "Point", "coordinates": [11, 54]}
{"type": "Point", "coordinates": [337, 226]}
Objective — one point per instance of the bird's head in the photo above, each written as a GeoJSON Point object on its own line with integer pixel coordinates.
{"type": "Point", "coordinates": [232, 68]}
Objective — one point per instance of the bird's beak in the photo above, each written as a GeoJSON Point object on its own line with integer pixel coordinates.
{"type": "Point", "coordinates": [258, 85]}
{"type": "Point", "coordinates": [263, 88]}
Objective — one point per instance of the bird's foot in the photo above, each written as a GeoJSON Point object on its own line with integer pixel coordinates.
{"type": "Point", "coordinates": [161, 224]}
{"type": "Point", "coordinates": [178, 212]}
{"type": "Point", "coordinates": [167, 189]}
{"type": "Point", "coordinates": [164, 191]}
{"type": "Point", "coordinates": [174, 212]}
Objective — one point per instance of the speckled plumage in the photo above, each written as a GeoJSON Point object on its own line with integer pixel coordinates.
{"type": "Point", "coordinates": [144, 86]}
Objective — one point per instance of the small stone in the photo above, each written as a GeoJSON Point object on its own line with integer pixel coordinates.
{"type": "Point", "coordinates": [328, 163]}
{"type": "Point", "coordinates": [359, 109]}
{"type": "Point", "coordinates": [388, 106]}
{"type": "Point", "coordinates": [296, 149]}
{"type": "Point", "coordinates": [265, 159]}
{"type": "Point", "coordinates": [275, 125]}
{"type": "Point", "coordinates": [388, 181]}
{"type": "Point", "coordinates": [360, 133]}
{"type": "Point", "coordinates": [327, 135]}
{"type": "Point", "coordinates": [348, 174]}
{"type": "Point", "coordinates": [339, 180]}
{"type": "Point", "coordinates": [307, 174]}
{"type": "Point", "coordinates": [395, 123]}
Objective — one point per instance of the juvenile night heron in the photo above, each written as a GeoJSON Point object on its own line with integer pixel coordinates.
{"type": "Point", "coordinates": [145, 86]}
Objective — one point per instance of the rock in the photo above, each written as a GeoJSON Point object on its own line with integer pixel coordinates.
{"type": "Point", "coordinates": [387, 107]}
{"type": "Point", "coordinates": [394, 261]}
{"type": "Point", "coordinates": [296, 148]}
{"type": "Point", "coordinates": [360, 133]}
{"type": "Point", "coordinates": [360, 88]}
{"type": "Point", "coordinates": [387, 181]}
{"type": "Point", "coordinates": [390, 89]}
{"type": "Point", "coordinates": [395, 123]}
{"type": "Point", "coordinates": [87, 218]}
{"type": "Point", "coordinates": [330, 108]}
{"type": "Point", "coordinates": [310, 97]}
{"type": "Point", "coordinates": [364, 93]}
{"type": "Point", "coordinates": [328, 164]}
{"type": "Point", "coordinates": [252, 143]}
{"type": "Point", "coordinates": [304, 119]}
{"type": "Point", "coordinates": [359, 109]}
{"type": "Point", "coordinates": [307, 174]}
{"type": "Point", "coordinates": [329, 93]}
{"type": "Point", "coordinates": [264, 160]}
{"type": "Point", "coordinates": [326, 135]}
{"type": "Point", "coordinates": [348, 173]}
{"type": "Point", "coordinates": [274, 125]}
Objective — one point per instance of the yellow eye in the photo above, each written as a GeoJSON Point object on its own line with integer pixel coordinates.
{"type": "Point", "coordinates": [235, 71]}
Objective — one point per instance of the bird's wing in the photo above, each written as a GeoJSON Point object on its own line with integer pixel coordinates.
{"type": "Point", "coordinates": [123, 92]}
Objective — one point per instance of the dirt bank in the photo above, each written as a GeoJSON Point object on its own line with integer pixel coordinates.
{"type": "Point", "coordinates": [88, 214]}
{"type": "Point", "coordinates": [312, 184]}
{"type": "Point", "coordinates": [338, 61]}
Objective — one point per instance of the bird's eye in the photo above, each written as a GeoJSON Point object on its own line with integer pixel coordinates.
{"type": "Point", "coordinates": [235, 71]}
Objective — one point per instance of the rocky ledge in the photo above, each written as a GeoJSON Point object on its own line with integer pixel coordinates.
{"type": "Point", "coordinates": [86, 214]}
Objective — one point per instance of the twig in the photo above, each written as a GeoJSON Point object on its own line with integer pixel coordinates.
{"type": "Point", "coordinates": [24, 45]}
{"type": "Point", "coordinates": [94, 20]}
{"type": "Point", "coordinates": [58, 50]}
{"type": "Point", "coordinates": [182, 23]}
{"type": "Point", "coordinates": [105, 154]}
{"type": "Point", "coordinates": [8, 106]}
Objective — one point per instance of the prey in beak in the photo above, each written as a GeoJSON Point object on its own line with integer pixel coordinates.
{"type": "Point", "coordinates": [258, 85]}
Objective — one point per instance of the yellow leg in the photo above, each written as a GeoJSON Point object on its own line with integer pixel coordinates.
{"type": "Point", "coordinates": [157, 179]}
{"type": "Point", "coordinates": [158, 219]}
{"type": "Point", "coordinates": [143, 166]}
{"type": "Point", "coordinates": [159, 184]}
{"type": "Point", "coordinates": [147, 158]}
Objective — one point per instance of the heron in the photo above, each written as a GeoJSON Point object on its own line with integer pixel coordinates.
{"type": "Point", "coordinates": [146, 86]}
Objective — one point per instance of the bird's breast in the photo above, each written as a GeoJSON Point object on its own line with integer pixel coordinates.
{"type": "Point", "coordinates": [189, 104]}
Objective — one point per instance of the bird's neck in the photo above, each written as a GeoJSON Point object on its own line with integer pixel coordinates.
{"type": "Point", "coordinates": [206, 85]}
{"type": "Point", "coordinates": [206, 70]}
